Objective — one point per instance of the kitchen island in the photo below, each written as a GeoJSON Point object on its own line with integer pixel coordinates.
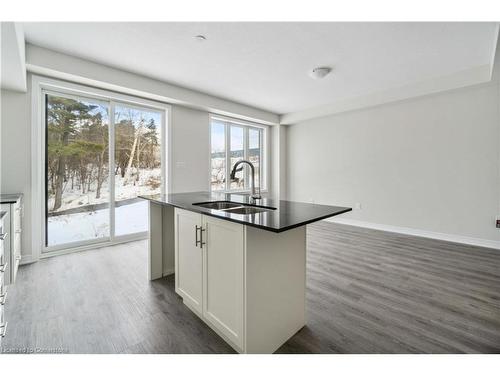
{"type": "Point", "coordinates": [239, 263]}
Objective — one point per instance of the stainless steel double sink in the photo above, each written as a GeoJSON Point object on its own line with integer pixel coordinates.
{"type": "Point", "coordinates": [234, 208]}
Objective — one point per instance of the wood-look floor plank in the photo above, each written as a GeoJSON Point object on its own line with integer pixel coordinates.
{"type": "Point", "coordinates": [367, 292]}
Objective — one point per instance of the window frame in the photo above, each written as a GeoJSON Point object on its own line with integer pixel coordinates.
{"type": "Point", "coordinates": [44, 85]}
{"type": "Point", "coordinates": [263, 182]}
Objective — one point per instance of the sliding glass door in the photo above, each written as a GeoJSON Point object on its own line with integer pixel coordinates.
{"type": "Point", "coordinates": [137, 165]}
{"type": "Point", "coordinates": [100, 155]}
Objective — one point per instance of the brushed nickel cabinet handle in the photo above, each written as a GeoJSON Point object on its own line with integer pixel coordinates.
{"type": "Point", "coordinates": [199, 241]}
{"type": "Point", "coordinates": [196, 236]}
{"type": "Point", "coordinates": [201, 237]}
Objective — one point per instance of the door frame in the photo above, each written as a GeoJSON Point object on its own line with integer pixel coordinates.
{"type": "Point", "coordinates": [39, 86]}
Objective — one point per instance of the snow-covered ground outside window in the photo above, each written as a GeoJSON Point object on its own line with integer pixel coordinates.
{"type": "Point", "coordinates": [130, 218]}
{"type": "Point", "coordinates": [87, 225]}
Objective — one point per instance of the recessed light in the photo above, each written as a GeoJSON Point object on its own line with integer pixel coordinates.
{"type": "Point", "coordinates": [200, 38]}
{"type": "Point", "coordinates": [320, 72]}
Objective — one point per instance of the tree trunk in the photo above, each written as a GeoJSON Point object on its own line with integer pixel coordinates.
{"type": "Point", "coordinates": [100, 174]}
{"type": "Point", "coordinates": [89, 180]}
{"type": "Point", "coordinates": [138, 157]}
{"type": "Point", "coordinates": [83, 178]}
{"type": "Point", "coordinates": [59, 183]}
{"type": "Point", "coordinates": [60, 172]}
{"type": "Point", "coordinates": [130, 159]}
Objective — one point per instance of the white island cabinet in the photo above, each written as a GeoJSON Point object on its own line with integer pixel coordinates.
{"type": "Point", "coordinates": [246, 284]}
{"type": "Point", "coordinates": [239, 266]}
{"type": "Point", "coordinates": [209, 273]}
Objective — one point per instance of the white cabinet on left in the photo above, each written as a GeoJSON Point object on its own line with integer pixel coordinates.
{"type": "Point", "coordinates": [12, 227]}
{"type": "Point", "coordinates": [10, 249]}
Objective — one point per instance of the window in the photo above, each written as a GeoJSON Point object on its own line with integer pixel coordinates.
{"type": "Point", "coordinates": [231, 141]}
{"type": "Point", "coordinates": [100, 154]}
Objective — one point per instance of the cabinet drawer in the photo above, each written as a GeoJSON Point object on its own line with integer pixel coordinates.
{"type": "Point", "coordinates": [3, 298]}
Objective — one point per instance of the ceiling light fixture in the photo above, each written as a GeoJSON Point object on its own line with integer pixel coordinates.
{"type": "Point", "coordinates": [200, 38]}
{"type": "Point", "coordinates": [320, 72]}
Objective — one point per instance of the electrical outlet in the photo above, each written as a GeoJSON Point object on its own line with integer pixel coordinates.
{"type": "Point", "coordinates": [357, 206]}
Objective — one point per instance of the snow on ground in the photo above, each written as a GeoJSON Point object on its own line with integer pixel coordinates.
{"type": "Point", "coordinates": [73, 198]}
{"type": "Point", "coordinates": [131, 218]}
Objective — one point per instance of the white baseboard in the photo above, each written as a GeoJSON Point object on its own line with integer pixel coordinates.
{"type": "Point", "coordinates": [419, 233]}
{"type": "Point", "coordinates": [26, 259]}
{"type": "Point", "coordinates": [168, 271]}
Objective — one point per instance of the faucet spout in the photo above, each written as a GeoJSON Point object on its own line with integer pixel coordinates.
{"type": "Point", "coordinates": [255, 194]}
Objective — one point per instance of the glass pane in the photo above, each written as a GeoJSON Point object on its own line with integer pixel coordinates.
{"type": "Point", "coordinates": [254, 152]}
{"type": "Point", "coordinates": [77, 170]}
{"type": "Point", "coordinates": [137, 166]}
{"type": "Point", "coordinates": [218, 156]}
{"type": "Point", "coordinates": [237, 152]}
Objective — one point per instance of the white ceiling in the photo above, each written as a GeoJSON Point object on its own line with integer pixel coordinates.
{"type": "Point", "coordinates": [266, 65]}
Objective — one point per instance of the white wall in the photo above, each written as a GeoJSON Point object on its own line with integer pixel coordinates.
{"type": "Point", "coordinates": [190, 150]}
{"type": "Point", "coordinates": [277, 135]}
{"type": "Point", "coordinates": [431, 164]}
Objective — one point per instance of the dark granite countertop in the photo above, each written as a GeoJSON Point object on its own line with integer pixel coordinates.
{"type": "Point", "coordinates": [287, 215]}
{"type": "Point", "coordinates": [10, 198]}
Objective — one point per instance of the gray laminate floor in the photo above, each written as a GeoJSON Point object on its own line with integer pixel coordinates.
{"type": "Point", "coordinates": [367, 292]}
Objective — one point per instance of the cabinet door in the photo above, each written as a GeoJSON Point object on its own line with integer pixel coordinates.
{"type": "Point", "coordinates": [188, 259]}
{"type": "Point", "coordinates": [224, 277]}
